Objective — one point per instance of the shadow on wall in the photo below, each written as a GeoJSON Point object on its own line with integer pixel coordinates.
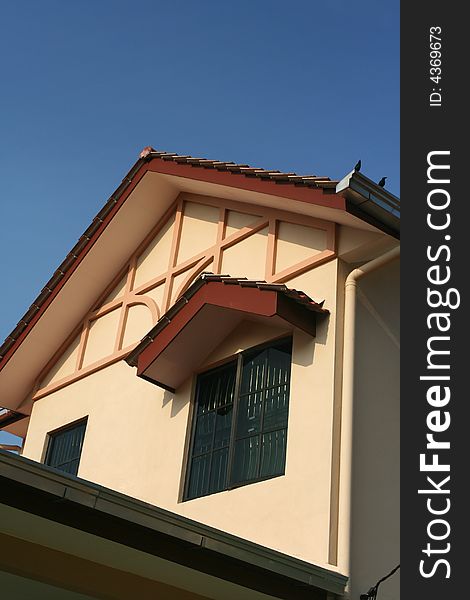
{"type": "Point", "coordinates": [323, 325]}
{"type": "Point", "coordinates": [178, 402]}
{"type": "Point", "coordinates": [304, 349]}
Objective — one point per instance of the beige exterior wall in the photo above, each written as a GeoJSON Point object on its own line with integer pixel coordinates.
{"type": "Point", "coordinates": [375, 502]}
{"type": "Point", "coordinates": [137, 434]}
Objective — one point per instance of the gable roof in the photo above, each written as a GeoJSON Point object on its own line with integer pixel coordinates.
{"type": "Point", "coordinates": [340, 202]}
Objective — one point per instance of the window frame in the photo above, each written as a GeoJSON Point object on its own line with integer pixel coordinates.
{"type": "Point", "coordinates": [50, 442]}
{"type": "Point", "coordinates": [238, 359]}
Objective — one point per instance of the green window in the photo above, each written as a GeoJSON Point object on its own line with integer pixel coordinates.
{"type": "Point", "coordinates": [65, 447]}
{"type": "Point", "coordinates": [240, 421]}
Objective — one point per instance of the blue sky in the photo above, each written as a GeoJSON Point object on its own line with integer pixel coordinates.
{"type": "Point", "coordinates": [304, 86]}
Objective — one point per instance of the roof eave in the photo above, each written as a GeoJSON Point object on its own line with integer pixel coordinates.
{"type": "Point", "coordinates": [37, 489]}
{"type": "Point", "coordinates": [371, 202]}
{"type": "Point", "coordinates": [8, 417]}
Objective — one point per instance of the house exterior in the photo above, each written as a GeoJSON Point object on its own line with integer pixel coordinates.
{"type": "Point", "coordinates": [219, 351]}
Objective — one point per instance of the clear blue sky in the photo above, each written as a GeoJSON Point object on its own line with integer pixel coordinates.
{"type": "Point", "coordinates": [304, 86]}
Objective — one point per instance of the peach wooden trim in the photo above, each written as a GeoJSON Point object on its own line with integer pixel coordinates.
{"type": "Point", "coordinates": [145, 301]}
{"type": "Point", "coordinates": [331, 237]}
{"type": "Point", "coordinates": [220, 236]}
{"type": "Point", "coordinates": [88, 370]}
{"type": "Point", "coordinates": [121, 328]}
{"type": "Point", "coordinates": [305, 265]}
{"type": "Point", "coordinates": [131, 274]}
{"type": "Point", "coordinates": [78, 331]}
{"type": "Point", "coordinates": [266, 216]}
{"type": "Point", "coordinates": [244, 232]}
{"type": "Point", "coordinates": [167, 293]}
{"type": "Point", "coordinates": [82, 345]}
{"type": "Point", "coordinates": [145, 287]}
{"type": "Point", "coordinates": [271, 250]}
{"type": "Point", "coordinates": [191, 262]}
{"type": "Point", "coordinates": [169, 214]}
{"type": "Point", "coordinates": [175, 244]}
{"type": "Point", "coordinates": [97, 305]}
{"type": "Point", "coordinates": [177, 233]}
{"type": "Point", "coordinates": [231, 240]}
{"type": "Point", "coordinates": [187, 264]}
{"type": "Point", "coordinates": [123, 316]}
{"type": "Point", "coordinates": [193, 273]}
{"type": "Point", "coordinates": [262, 211]}
{"type": "Point", "coordinates": [107, 308]}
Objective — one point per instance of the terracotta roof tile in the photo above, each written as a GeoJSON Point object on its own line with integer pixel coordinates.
{"type": "Point", "coordinates": [207, 277]}
{"type": "Point", "coordinates": [275, 175]}
{"type": "Point", "coordinates": [298, 296]}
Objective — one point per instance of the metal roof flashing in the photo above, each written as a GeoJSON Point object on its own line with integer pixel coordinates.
{"type": "Point", "coordinates": [370, 199]}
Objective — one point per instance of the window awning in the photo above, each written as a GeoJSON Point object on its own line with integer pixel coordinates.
{"type": "Point", "coordinates": [202, 317]}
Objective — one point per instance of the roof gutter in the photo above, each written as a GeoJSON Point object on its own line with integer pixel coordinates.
{"type": "Point", "coordinates": [350, 296]}
{"type": "Point", "coordinates": [62, 498]}
{"type": "Point", "coordinates": [370, 202]}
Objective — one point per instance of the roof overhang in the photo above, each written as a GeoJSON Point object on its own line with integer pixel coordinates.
{"type": "Point", "coordinates": [201, 319]}
{"type": "Point", "coordinates": [8, 417]}
{"type": "Point", "coordinates": [67, 525]}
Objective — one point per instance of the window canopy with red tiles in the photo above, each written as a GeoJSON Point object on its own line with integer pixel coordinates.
{"type": "Point", "coordinates": [202, 317]}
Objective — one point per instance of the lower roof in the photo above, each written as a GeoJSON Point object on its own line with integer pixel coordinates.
{"type": "Point", "coordinates": [58, 497]}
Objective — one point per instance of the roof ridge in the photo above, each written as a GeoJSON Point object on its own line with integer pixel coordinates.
{"type": "Point", "coordinates": [150, 152]}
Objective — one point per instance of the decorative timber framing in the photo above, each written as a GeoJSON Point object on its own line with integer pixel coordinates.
{"type": "Point", "coordinates": [265, 218]}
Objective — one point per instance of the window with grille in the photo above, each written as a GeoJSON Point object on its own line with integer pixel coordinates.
{"type": "Point", "coordinates": [239, 430]}
{"type": "Point", "coordinates": [65, 448]}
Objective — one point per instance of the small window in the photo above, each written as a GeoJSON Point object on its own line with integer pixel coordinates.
{"type": "Point", "coordinates": [65, 448]}
{"type": "Point", "coordinates": [240, 421]}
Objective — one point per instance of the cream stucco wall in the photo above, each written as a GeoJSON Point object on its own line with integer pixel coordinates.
{"type": "Point", "coordinates": [137, 434]}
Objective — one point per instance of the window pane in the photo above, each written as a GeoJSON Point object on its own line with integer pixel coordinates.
{"type": "Point", "coordinates": [204, 433]}
{"type": "Point", "coordinates": [254, 371]}
{"type": "Point", "coordinates": [218, 479]}
{"type": "Point", "coordinates": [245, 460]}
{"type": "Point", "coordinates": [279, 361]}
{"type": "Point", "coordinates": [58, 450]}
{"type": "Point", "coordinates": [216, 389]}
{"type": "Point", "coordinates": [214, 410]}
{"type": "Point", "coordinates": [199, 480]}
{"type": "Point", "coordinates": [261, 405]}
{"type": "Point", "coordinates": [223, 426]}
{"type": "Point", "coordinates": [227, 386]}
{"type": "Point", "coordinates": [65, 448]}
{"type": "Point", "coordinates": [70, 467]}
{"type": "Point", "coordinates": [276, 408]}
{"type": "Point", "coordinates": [273, 453]}
{"type": "Point", "coordinates": [249, 414]}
